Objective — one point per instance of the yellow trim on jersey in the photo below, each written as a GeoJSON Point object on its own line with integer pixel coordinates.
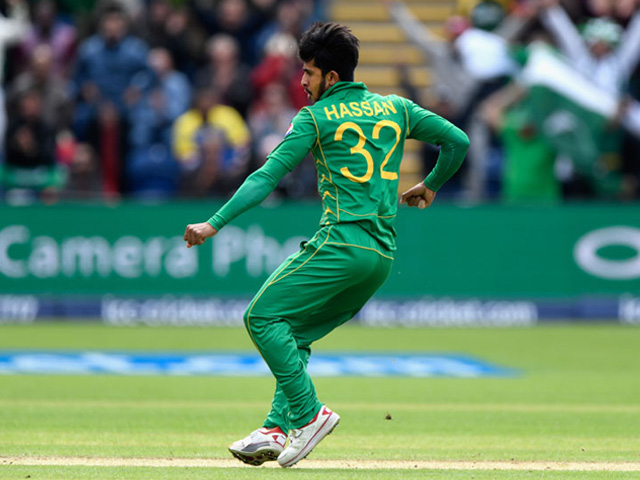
{"type": "Point", "coordinates": [406, 112]}
{"type": "Point", "coordinates": [367, 214]}
{"type": "Point", "coordinates": [360, 246]}
{"type": "Point", "coordinates": [314, 122]}
{"type": "Point", "coordinates": [277, 279]}
{"type": "Point", "coordinates": [328, 194]}
{"type": "Point", "coordinates": [319, 144]}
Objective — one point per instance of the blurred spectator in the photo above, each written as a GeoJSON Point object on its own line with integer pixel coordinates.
{"type": "Point", "coordinates": [484, 53]}
{"type": "Point", "coordinates": [473, 62]}
{"type": "Point", "coordinates": [12, 30]}
{"type": "Point", "coordinates": [106, 66]}
{"type": "Point", "coordinates": [152, 169]}
{"type": "Point", "coordinates": [270, 118]}
{"type": "Point", "coordinates": [152, 27]}
{"type": "Point", "coordinates": [619, 9]}
{"type": "Point", "coordinates": [269, 121]}
{"type": "Point", "coordinates": [48, 29]}
{"type": "Point", "coordinates": [631, 148]}
{"type": "Point", "coordinates": [30, 163]}
{"type": "Point", "coordinates": [281, 65]}
{"type": "Point", "coordinates": [608, 56]}
{"type": "Point", "coordinates": [173, 29]}
{"type": "Point", "coordinates": [77, 7]}
{"type": "Point", "coordinates": [452, 85]}
{"type": "Point", "coordinates": [56, 104]}
{"type": "Point", "coordinates": [528, 175]}
{"type": "Point", "coordinates": [84, 181]}
{"type": "Point", "coordinates": [235, 18]}
{"type": "Point", "coordinates": [166, 96]}
{"type": "Point", "coordinates": [602, 52]}
{"type": "Point", "coordinates": [226, 73]}
{"type": "Point", "coordinates": [466, 7]}
{"type": "Point", "coordinates": [292, 18]}
{"type": "Point", "coordinates": [133, 9]}
{"type": "Point", "coordinates": [211, 139]}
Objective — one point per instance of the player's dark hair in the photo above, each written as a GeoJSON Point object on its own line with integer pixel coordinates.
{"type": "Point", "coordinates": [333, 47]}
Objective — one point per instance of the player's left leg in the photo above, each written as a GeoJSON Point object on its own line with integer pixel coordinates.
{"type": "Point", "coordinates": [279, 414]}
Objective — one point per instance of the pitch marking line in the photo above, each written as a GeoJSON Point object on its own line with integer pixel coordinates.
{"type": "Point", "coordinates": [448, 407]}
{"type": "Point", "coordinates": [326, 464]}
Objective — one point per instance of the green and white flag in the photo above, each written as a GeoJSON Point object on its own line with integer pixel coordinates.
{"type": "Point", "coordinates": [571, 112]}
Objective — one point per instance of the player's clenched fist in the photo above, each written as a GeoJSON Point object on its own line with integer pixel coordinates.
{"type": "Point", "coordinates": [197, 233]}
{"type": "Point", "coordinates": [419, 196]}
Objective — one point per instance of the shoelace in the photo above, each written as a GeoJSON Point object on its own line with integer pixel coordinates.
{"type": "Point", "coordinates": [295, 433]}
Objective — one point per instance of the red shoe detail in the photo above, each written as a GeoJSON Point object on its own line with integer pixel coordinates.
{"type": "Point", "coordinates": [324, 411]}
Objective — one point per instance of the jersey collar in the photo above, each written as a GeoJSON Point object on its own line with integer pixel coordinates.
{"type": "Point", "coordinates": [340, 86]}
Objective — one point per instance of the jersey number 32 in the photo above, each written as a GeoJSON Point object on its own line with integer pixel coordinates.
{"type": "Point", "coordinates": [360, 150]}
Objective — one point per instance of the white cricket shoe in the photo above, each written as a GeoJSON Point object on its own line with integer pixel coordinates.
{"type": "Point", "coordinates": [302, 440]}
{"type": "Point", "coordinates": [260, 446]}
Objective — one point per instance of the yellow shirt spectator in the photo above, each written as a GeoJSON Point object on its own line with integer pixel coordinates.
{"type": "Point", "coordinates": [219, 117]}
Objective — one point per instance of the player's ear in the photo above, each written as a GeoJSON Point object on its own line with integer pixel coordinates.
{"type": "Point", "coordinates": [332, 78]}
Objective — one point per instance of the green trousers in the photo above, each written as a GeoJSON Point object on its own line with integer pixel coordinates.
{"type": "Point", "coordinates": [314, 291]}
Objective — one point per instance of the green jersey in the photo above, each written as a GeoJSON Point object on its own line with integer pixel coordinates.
{"type": "Point", "coordinates": [357, 141]}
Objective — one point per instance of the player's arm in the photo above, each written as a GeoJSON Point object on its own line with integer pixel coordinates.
{"type": "Point", "coordinates": [257, 187]}
{"type": "Point", "coordinates": [428, 127]}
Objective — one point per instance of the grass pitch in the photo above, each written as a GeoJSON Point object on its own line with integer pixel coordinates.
{"type": "Point", "coordinates": [574, 407]}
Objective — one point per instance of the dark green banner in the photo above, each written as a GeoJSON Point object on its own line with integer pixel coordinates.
{"type": "Point", "coordinates": [445, 251]}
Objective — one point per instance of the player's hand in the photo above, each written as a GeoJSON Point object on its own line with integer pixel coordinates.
{"type": "Point", "coordinates": [197, 233]}
{"type": "Point", "coordinates": [419, 196]}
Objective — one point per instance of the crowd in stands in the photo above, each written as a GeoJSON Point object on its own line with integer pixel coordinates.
{"type": "Point", "coordinates": [183, 98]}
{"type": "Point", "coordinates": [147, 98]}
{"type": "Point", "coordinates": [548, 91]}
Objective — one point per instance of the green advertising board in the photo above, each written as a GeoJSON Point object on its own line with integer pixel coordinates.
{"type": "Point", "coordinates": [445, 251]}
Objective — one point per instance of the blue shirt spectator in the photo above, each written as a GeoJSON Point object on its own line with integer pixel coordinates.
{"type": "Point", "coordinates": [152, 170]}
{"type": "Point", "coordinates": [106, 67]}
{"type": "Point", "coordinates": [167, 95]}
{"type": "Point", "coordinates": [104, 85]}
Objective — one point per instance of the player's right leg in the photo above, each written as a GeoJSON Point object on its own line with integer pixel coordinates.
{"type": "Point", "coordinates": [266, 443]}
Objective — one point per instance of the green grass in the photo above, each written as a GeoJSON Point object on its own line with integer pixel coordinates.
{"type": "Point", "coordinates": [86, 473]}
{"type": "Point", "coordinates": [577, 398]}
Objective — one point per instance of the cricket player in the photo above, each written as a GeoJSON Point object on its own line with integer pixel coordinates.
{"type": "Point", "coordinates": [357, 140]}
